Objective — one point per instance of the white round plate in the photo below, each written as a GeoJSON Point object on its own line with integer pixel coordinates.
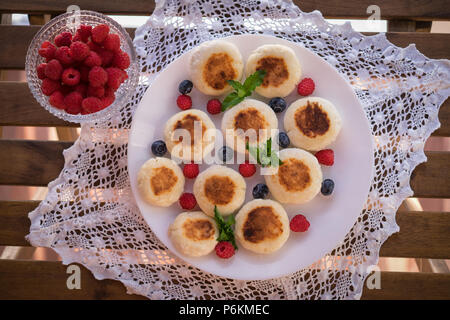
{"type": "Point", "coordinates": [331, 217]}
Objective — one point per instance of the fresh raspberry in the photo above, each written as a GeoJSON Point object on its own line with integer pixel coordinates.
{"type": "Point", "coordinates": [325, 157]}
{"type": "Point", "coordinates": [99, 33]}
{"type": "Point", "coordinates": [93, 46]}
{"type": "Point", "coordinates": [190, 170]}
{"type": "Point", "coordinates": [107, 101]}
{"type": "Point", "coordinates": [82, 89]}
{"type": "Point", "coordinates": [121, 60]}
{"type": "Point", "coordinates": [63, 39]}
{"type": "Point", "coordinates": [109, 92]}
{"type": "Point", "coordinates": [84, 32]}
{"type": "Point", "coordinates": [73, 102]}
{"type": "Point", "coordinates": [97, 77]}
{"type": "Point", "coordinates": [57, 100]}
{"type": "Point", "coordinates": [115, 77]}
{"type": "Point", "coordinates": [184, 102]}
{"type": "Point", "coordinates": [92, 104]}
{"type": "Point", "coordinates": [247, 169]}
{"type": "Point", "coordinates": [49, 86]}
{"type": "Point", "coordinates": [108, 98]}
{"type": "Point", "coordinates": [47, 50]}
{"type": "Point", "coordinates": [71, 76]}
{"type": "Point", "coordinates": [63, 56]}
{"type": "Point", "coordinates": [124, 75]}
{"type": "Point", "coordinates": [112, 42]}
{"type": "Point", "coordinates": [84, 73]}
{"type": "Point", "coordinates": [96, 92]}
{"type": "Point", "coordinates": [40, 70]}
{"type": "Point", "coordinates": [224, 249]}
{"type": "Point", "coordinates": [214, 106]}
{"type": "Point", "coordinates": [65, 89]}
{"type": "Point", "coordinates": [306, 87]}
{"type": "Point", "coordinates": [93, 59]}
{"type": "Point", "coordinates": [299, 223]}
{"type": "Point", "coordinates": [53, 69]}
{"type": "Point", "coordinates": [106, 56]}
{"type": "Point", "coordinates": [77, 37]}
{"type": "Point", "coordinates": [79, 50]}
{"type": "Point", "coordinates": [187, 201]}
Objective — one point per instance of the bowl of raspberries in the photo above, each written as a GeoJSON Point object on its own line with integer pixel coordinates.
{"type": "Point", "coordinates": [82, 66]}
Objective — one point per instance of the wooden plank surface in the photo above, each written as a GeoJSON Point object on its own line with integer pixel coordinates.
{"type": "Point", "coordinates": [16, 39]}
{"type": "Point", "coordinates": [36, 163]}
{"type": "Point", "coordinates": [422, 234]}
{"type": "Point", "coordinates": [21, 109]}
{"type": "Point", "coordinates": [431, 178]}
{"type": "Point", "coordinates": [42, 280]}
{"type": "Point", "coordinates": [47, 280]}
{"type": "Point", "coordinates": [28, 162]}
{"type": "Point", "coordinates": [412, 9]}
{"type": "Point", "coordinates": [410, 286]}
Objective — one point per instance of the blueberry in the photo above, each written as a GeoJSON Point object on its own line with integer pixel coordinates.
{"type": "Point", "coordinates": [185, 86]}
{"type": "Point", "coordinates": [327, 187]}
{"type": "Point", "coordinates": [260, 191]}
{"type": "Point", "coordinates": [283, 140]}
{"type": "Point", "coordinates": [159, 148]}
{"type": "Point", "coordinates": [277, 104]}
{"type": "Point", "coordinates": [225, 154]}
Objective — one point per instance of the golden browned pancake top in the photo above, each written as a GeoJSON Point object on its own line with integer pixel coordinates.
{"type": "Point", "coordinates": [294, 175]}
{"type": "Point", "coordinates": [311, 120]}
{"type": "Point", "coordinates": [198, 229]}
{"type": "Point", "coordinates": [262, 223]}
{"type": "Point", "coordinates": [187, 123]}
{"type": "Point", "coordinates": [276, 70]}
{"type": "Point", "coordinates": [163, 179]}
{"type": "Point", "coordinates": [218, 69]}
{"type": "Point", "coordinates": [250, 118]}
{"type": "Point", "coordinates": [219, 189]}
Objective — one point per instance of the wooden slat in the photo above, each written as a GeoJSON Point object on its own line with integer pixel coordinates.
{"type": "Point", "coordinates": [47, 280]}
{"type": "Point", "coordinates": [422, 234]}
{"type": "Point", "coordinates": [431, 178]}
{"type": "Point", "coordinates": [21, 109]}
{"type": "Point", "coordinates": [14, 222]}
{"type": "Point", "coordinates": [410, 286]}
{"type": "Point", "coordinates": [36, 163]}
{"type": "Point", "coordinates": [16, 39]}
{"type": "Point", "coordinates": [33, 163]}
{"type": "Point", "coordinates": [412, 9]}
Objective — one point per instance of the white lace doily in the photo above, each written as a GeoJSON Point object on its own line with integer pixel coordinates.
{"type": "Point", "coordinates": [90, 216]}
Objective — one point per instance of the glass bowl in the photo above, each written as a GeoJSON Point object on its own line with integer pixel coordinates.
{"type": "Point", "coordinates": [70, 22]}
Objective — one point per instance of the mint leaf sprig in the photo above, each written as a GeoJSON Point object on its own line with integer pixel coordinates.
{"type": "Point", "coordinates": [226, 233]}
{"type": "Point", "coordinates": [264, 155]}
{"type": "Point", "coordinates": [241, 91]}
